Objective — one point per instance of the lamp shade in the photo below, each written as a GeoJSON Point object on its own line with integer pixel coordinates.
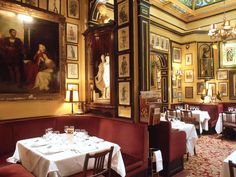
{"type": "Point", "coordinates": [72, 96]}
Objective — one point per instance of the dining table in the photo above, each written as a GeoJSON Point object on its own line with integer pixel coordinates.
{"type": "Point", "coordinates": [60, 155]}
{"type": "Point", "coordinates": [225, 167]}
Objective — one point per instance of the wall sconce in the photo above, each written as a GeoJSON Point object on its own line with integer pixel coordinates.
{"type": "Point", "coordinates": [72, 96]}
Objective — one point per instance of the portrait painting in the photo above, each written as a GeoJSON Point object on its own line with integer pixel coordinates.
{"type": "Point", "coordinates": [188, 59]}
{"type": "Point", "coordinates": [188, 75]}
{"type": "Point", "coordinates": [31, 2]}
{"type": "Point", "coordinates": [123, 12]}
{"type": "Point", "coordinates": [73, 9]}
{"type": "Point", "coordinates": [71, 33]}
{"type": "Point", "coordinates": [54, 6]}
{"type": "Point", "coordinates": [72, 71]}
{"type": "Point", "coordinates": [29, 64]}
{"type": "Point", "coordinates": [179, 96]}
{"type": "Point", "coordinates": [188, 92]}
{"type": "Point", "coordinates": [222, 74]}
{"type": "Point", "coordinates": [200, 88]}
{"type": "Point", "coordinates": [124, 67]}
{"type": "Point", "coordinates": [228, 54]}
{"type": "Point", "coordinates": [176, 55]}
{"type": "Point", "coordinates": [123, 38]}
{"type": "Point", "coordinates": [223, 88]}
{"type": "Point", "coordinates": [71, 52]}
{"type": "Point", "coordinates": [205, 60]}
{"type": "Point", "coordinates": [124, 93]}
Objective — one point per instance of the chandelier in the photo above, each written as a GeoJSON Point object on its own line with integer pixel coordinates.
{"type": "Point", "coordinates": [224, 32]}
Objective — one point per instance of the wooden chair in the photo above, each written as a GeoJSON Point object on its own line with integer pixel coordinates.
{"type": "Point", "coordinates": [170, 113]}
{"type": "Point", "coordinates": [98, 167]}
{"type": "Point", "coordinates": [228, 123]}
{"type": "Point", "coordinates": [187, 117]}
{"type": "Point", "coordinates": [231, 168]}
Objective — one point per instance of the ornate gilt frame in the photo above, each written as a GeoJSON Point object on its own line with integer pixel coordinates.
{"type": "Point", "coordinates": [40, 14]}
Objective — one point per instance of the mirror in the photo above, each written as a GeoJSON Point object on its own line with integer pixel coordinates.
{"type": "Point", "coordinates": [30, 52]}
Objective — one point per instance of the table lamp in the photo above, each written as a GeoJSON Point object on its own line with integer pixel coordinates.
{"type": "Point", "coordinates": [72, 96]}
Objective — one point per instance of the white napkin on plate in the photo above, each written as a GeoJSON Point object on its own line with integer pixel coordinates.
{"type": "Point", "coordinates": [158, 160]}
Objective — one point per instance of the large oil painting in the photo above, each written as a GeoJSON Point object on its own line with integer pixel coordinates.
{"type": "Point", "coordinates": [29, 55]}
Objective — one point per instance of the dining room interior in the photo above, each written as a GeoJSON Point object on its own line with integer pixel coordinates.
{"type": "Point", "coordinates": [146, 87]}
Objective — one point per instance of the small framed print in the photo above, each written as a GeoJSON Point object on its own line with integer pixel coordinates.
{"type": "Point", "coordinates": [123, 12]}
{"type": "Point", "coordinates": [73, 9]}
{"type": "Point", "coordinates": [72, 52]}
{"type": "Point", "coordinates": [54, 6]}
{"type": "Point", "coordinates": [228, 54]}
{"type": "Point", "coordinates": [200, 87]}
{"type": "Point", "coordinates": [179, 96]}
{"type": "Point", "coordinates": [175, 93]}
{"type": "Point", "coordinates": [222, 74]}
{"type": "Point", "coordinates": [188, 92]}
{"type": "Point", "coordinates": [124, 93]}
{"type": "Point", "coordinates": [176, 55]}
{"type": "Point", "coordinates": [174, 83]}
{"type": "Point", "coordinates": [179, 83]}
{"type": "Point", "coordinates": [34, 3]}
{"type": "Point", "coordinates": [71, 33]}
{"type": "Point", "coordinates": [123, 38]}
{"type": "Point", "coordinates": [188, 75]}
{"type": "Point", "coordinates": [72, 71]}
{"type": "Point", "coordinates": [72, 86]}
{"type": "Point", "coordinates": [188, 59]}
{"type": "Point", "coordinates": [212, 87]}
{"type": "Point", "coordinates": [223, 88]}
{"type": "Point", "coordinates": [124, 66]}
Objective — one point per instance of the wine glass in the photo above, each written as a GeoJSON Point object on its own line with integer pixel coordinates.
{"type": "Point", "coordinates": [66, 128]}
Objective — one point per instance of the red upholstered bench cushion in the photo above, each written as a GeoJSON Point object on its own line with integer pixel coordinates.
{"type": "Point", "coordinates": [131, 163]}
{"type": "Point", "coordinates": [14, 170]}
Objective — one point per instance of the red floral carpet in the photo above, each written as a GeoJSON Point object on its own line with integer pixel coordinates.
{"type": "Point", "coordinates": [211, 151]}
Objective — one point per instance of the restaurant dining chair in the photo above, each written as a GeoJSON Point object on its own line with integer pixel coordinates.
{"type": "Point", "coordinates": [98, 166]}
{"type": "Point", "coordinates": [170, 114]}
{"type": "Point", "coordinates": [232, 166]}
{"type": "Point", "coordinates": [187, 117]}
{"type": "Point", "coordinates": [228, 123]}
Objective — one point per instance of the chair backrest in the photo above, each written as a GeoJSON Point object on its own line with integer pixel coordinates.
{"type": "Point", "coordinates": [229, 119]}
{"type": "Point", "coordinates": [231, 168]}
{"type": "Point", "coordinates": [171, 112]}
{"type": "Point", "coordinates": [186, 113]}
{"type": "Point", "coordinates": [99, 161]}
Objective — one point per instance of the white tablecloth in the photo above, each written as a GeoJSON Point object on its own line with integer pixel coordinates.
{"type": "Point", "coordinates": [219, 124]}
{"type": "Point", "coordinates": [202, 117]}
{"type": "Point", "coordinates": [191, 134]}
{"type": "Point", "coordinates": [225, 166]}
{"type": "Point", "coordinates": [62, 156]}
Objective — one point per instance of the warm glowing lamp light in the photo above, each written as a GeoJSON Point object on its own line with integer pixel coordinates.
{"type": "Point", "coordinates": [72, 96]}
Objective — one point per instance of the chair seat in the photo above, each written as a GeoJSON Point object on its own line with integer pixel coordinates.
{"type": "Point", "coordinates": [14, 170]}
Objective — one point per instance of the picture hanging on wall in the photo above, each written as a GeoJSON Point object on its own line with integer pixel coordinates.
{"type": "Point", "coordinates": [123, 38]}
{"type": "Point", "coordinates": [123, 12]}
{"type": "Point", "coordinates": [72, 71]}
{"type": "Point", "coordinates": [188, 75]}
{"type": "Point", "coordinates": [73, 9]}
{"type": "Point", "coordinates": [200, 87]}
{"type": "Point", "coordinates": [176, 55]}
{"type": "Point", "coordinates": [212, 87]}
{"type": "Point", "coordinates": [124, 93]}
{"type": "Point", "coordinates": [223, 88]}
{"type": "Point", "coordinates": [54, 6]}
{"type": "Point", "coordinates": [72, 52]}
{"type": "Point", "coordinates": [188, 59]}
{"type": "Point", "coordinates": [222, 74]}
{"type": "Point", "coordinates": [124, 66]}
{"type": "Point", "coordinates": [71, 33]}
{"type": "Point", "coordinates": [232, 85]}
{"type": "Point", "coordinates": [188, 92]}
{"type": "Point", "coordinates": [228, 54]}
{"type": "Point", "coordinates": [159, 42]}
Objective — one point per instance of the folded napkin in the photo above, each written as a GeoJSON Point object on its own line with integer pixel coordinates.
{"type": "Point", "coordinates": [158, 160]}
{"type": "Point", "coordinates": [49, 150]}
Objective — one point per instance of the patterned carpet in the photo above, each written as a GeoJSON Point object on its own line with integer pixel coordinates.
{"type": "Point", "coordinates": [211, 151]}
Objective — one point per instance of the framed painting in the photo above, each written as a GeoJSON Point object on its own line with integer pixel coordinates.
{"type": "Point", "coordinates": [72, 52]}
{"type": "Point", "coordinates": [159, 42]}
{"type": "Point", "coordinates": [188, 92]}
{"type": "Point", "coordinates": [72, 86]}
{"type": "Point", "coordinates": [222, 74]}
{"type": "Point", "coordinates": [54, 6]}
{"type": "Point", "coordinates": [188, 75]}
{"type": "Point", "coordinates": [72, 71]}
{"type": "Point", "coordinates": [176, 55]}
{"type": "Point", "coordinates": [123, 38]}
{"type": "Point", "coordinates": [73, 9]}
{"type": "Point", "coordinates": [200, 88]}
{"type": "Point", "coordinates": [179, 83]}
{"type": "Point", "coordinates": [71, 33]}
{"type": "Point", "coordinates": [174, 93]}
{"type": "Point", "coordinates": [124, 66]}
{"type": "Point", "coordinates": [124, 93]}
{"type": "Point", "coordinates": [205, 60]}
{"type": "Point", "coordinates": [223, 88]}
{"type": "Point", "coordinates": [179, 96]}
{"type": "Point", "coordinates": [212, 87]}
{"type": "Point", "coordinates": [174, 83]}
{"type": "Point", "coordinates": [228, 54]}
{"type": "Point", "coordinates": [123, 12]}
{"type": "Point", "coordinates": [35, 59]}
{"type": "Point", "coordinates": [232, 85]}
{"type": "Point", "coordinates": [34, 3]}
{"type": "Point", "coordinates": [188, 59]}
